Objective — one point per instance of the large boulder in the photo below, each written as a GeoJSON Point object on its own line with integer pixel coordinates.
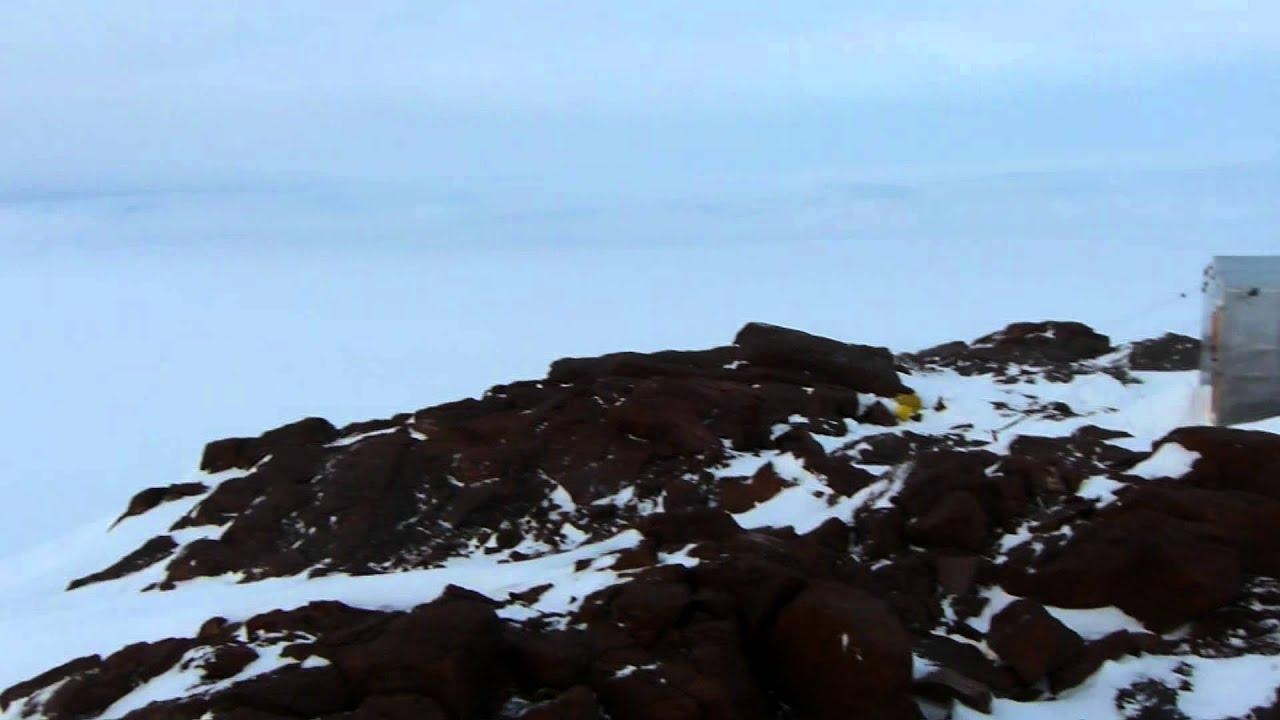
{"type": "Point", "coordinates": [1241, 460]}
{"type": "Point", "coordinates": [447, 650]}
{"type": "Point", "coordinates": [838, 653]}
{"type": "Point", "coordinates": [956, 522]}
{"type": "Point", "coordinates": [244, 453]}
{"type": "Point", "coordinates": [1031, 641]}
{"type": "Point", "coordinates": [1049, 341]}
{"type": "Point", "coordinates": [860, 367]}
{"type": "Point", "coordinates": [1159, 569]}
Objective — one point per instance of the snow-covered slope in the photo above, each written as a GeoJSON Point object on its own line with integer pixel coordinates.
{"type": "Point", "coordinates": [763, 530]}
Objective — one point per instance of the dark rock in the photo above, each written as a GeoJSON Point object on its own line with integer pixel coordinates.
{"type": "Point", "coordinates": [858, 367]}
{"type": "Point", "coordinates": [943, 684]}
{"type": "Point", "coordinates": [244, 453]}
{"type": "Point", "coordinates": [671, 363]}
{"type": "Point", "coordinates": [48, 678]}
{"type": "Point", "coordinates": [1167, 352]}
{"type": "Point", "coordinates": [226, 661]}
{"type": "Point", "coordinates": [880, 531]}
{"type": "Point", "coordinates": [150, 498]}
{"type": "Point", "coordinates": [1159, 569]}
{"type": "Point", "coordinates": [291, 691]}
{"type": "Point", "coordinates": [894, 448]}
{"type": "Point", "coordinates": [1050, 341]}
{"type": "Point", "coordinates": [676, 530]}
{"type": "Point", "coordinates": [967, 660]}
{"type": "Point", "coordinates": [1090, 658]}
{"type": "Point", "coordinates": [646, 695]}
{"type": "Point", "coordinates": [955, 522]}
{"type": "Point", "coordinates": [576, 703]}
{"type": "Point", "coordinates": [759, 586]}
{"type": "Point", "coordinates": [1051, 348]}
{"type": "Point", "coordinates": [936, 474]}
{"type": "Point", "coordinates": [397, 707]}
{"type": "Point", "coordinates": [1031, 641]}
{"type": "Point", "coordinates": [152, 551]}
{"type": "Point", "coordinates": [1243, 521]}
{"type": "Point", "coordinates": [956, 573]}
{"type": "Point", "coordinates": [878, 414]}
{"type": "Point", "coordinates": [550, 659]}
{"type": "Point", "coordinates": [1242, 460]}
{"type": "Point", "coordinates": [647, 609]}
{"type": "Point", "coordinates": [839, 653]}
{"type": "Point", "coordinates": [91, 692]}
{"type": "Point", "coordinates": [447, 650]}
{"type": "Point", "coordinates": [740, 496]}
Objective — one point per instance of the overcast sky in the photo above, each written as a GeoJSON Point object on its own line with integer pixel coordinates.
{"type": "Point", "coordinates": [133, 95]}
{"type": "Point", "coordinates": [217, 217]}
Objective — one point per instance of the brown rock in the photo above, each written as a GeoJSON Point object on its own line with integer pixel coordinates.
{"type": "Point", "coordinates": [227, 661]}
{"type": "Point", "coordinates": [152, 551]}
{"type": "Point", "coordinates": [877, 414]}
{"type": "Point", "coordinates": [740, 496]}
{"type": "Point", "coordinates": [648, 608]}
{"type": "Point", "coordinates": [446, 650]}
{"type": "Point", "coordinates": [1170, 351]}
{"type": "Point", "coordinates": [291, 691]}
{"type": "Point", "coordinates": [967, 660]}
{"type": "Point", "coordinates": [1241, 460]}
{"type": "Point", "coordinates": [550, 659]}
{"type": "Point", "coordinates": [943, 684]}
{"type": "Point", "coordinates": [880, 531]}
{"type": "Point", "coordinates": [956, 573]}
{"type": "Point", "coordinates": [956, 522]}
{"type": "Point", "coordinates": [397, 707]}
{"type": "Point", "coordinates": [676, 530]}
{"type": "Point", "coordinates": [839, 653]}
{"type": "Point", "coordinates": [1090, 658]}
{"type": "Point", "coordinates": [858, 367]}
{"type": "Point", "coordinates": [1156, 568]}
{"type": "Point", "coordinates": [576, 703]}
{"type": "Point", "coordinates": [150, 498]}
{"type": "Point", "coordinates": [91, 692]}
{"type": "Point", "coordinates": [1031, 641]}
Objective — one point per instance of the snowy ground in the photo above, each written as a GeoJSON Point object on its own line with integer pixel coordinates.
{"type": "Point", "coordinates": [116, 613]}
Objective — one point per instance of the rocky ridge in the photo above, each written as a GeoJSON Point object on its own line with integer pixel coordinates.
{"type": "Point", "coordinates": [753, 531]}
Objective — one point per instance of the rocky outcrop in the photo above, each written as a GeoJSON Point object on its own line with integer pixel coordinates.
{"type": "Point", "coordinates": [1051, 349]}
{"type": "Point", "coordinates": [792, 549]}
{"type": "Point", "coordinates": [1170, 351]}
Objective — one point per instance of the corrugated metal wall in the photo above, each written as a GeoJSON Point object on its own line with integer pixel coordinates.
{"type": "Point", "coordinates": [1241, 357]}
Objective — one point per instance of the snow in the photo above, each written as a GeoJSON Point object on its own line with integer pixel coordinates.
{"type": "Point", "coordinates": [1170, 460]}
{"type": "Point", "coordinates": [1100, 489]}
{"type": "Point", "coordinates": [357, 437]}
{"type": "Point", "coordinates": [1089, 623]}
{"type": "Point", "coordinates": [37, 612]}
{"type": "Point", "coordinates": [1221, 688]}
{"type": "Point", "coordinates": [184, 679]}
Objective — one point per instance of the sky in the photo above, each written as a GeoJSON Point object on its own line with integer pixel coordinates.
{"type": "Point", "coordinates": [217, 218]}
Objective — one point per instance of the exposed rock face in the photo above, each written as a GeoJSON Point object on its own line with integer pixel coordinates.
{"type": "Point", "coordinates": [151, 497]}
{"type": "Point", "coordinates": [1167, 352]}
{"type": "Point", "coordinates": [841, 653]}
{"type": "Point", "coordinates": [1052, 348]}
{"type": "Point", "coordinates": [1031, 641]}
{"type": "Point", "coordinates": [416, 489]}
{"type": "Point", "coordinates": [861, 367]}
{"type": "Point", "coordinates": [739, 533]}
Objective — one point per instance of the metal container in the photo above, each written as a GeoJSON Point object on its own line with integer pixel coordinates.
{"type": "Point", "coordinates": [1240, 356]}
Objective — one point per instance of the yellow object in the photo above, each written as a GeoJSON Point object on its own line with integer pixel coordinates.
{"type": "Point", "coordinates": [908, 406]}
